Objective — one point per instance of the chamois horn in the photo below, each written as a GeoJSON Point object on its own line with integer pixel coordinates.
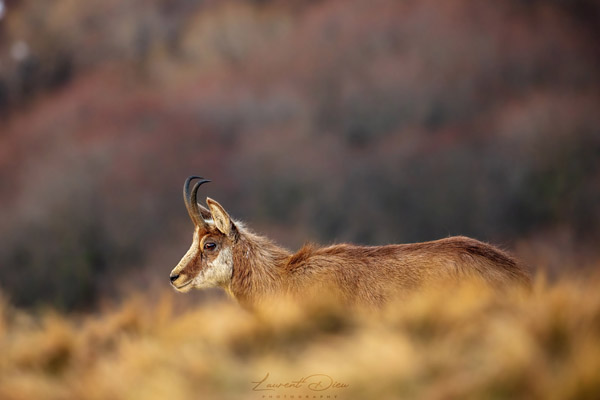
{"type": "Point", "coordinates": [190, 199]}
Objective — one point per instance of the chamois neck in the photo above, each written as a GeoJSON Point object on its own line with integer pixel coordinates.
{"type": "Point", "coordinates": [257, 268]}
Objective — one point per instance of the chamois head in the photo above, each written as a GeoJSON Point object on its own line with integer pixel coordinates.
{"type": "Point", "coordinates": [209, 261]}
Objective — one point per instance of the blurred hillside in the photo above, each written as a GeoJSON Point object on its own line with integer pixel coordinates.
{"type": "Point", "coordinates": [367, 121]}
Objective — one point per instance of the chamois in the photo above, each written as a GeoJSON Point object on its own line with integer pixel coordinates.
{"type": "Point", "coordinates": [251, 268]}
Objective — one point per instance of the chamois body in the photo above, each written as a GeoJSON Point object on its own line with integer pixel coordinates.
{"type": "Point", "coordinates": [365, 275]}
{"type": "Point", "coordinates": [253, 269]}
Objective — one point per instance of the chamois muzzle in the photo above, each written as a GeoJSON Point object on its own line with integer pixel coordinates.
{"type": "Point", "coordinates": [190, 199]}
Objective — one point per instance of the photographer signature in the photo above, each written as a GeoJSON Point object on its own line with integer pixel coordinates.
{"type": "Point", "coordinates": [314, 382]}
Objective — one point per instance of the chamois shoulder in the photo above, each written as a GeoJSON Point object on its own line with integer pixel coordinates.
{"type": "Point", "coordinates": [311, 252]}
{"type": "Point", "coordinates": [299, 259]}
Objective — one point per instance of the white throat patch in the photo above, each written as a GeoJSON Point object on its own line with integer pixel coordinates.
{"type": "Point", "coordinates": [219, 271]}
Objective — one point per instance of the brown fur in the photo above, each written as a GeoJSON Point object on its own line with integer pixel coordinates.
{"type": "Point", "coordinates": [260, 270]}
{"type": "Point", "coordinates": [370, 275]}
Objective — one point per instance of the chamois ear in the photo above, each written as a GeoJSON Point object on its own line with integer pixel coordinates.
{"type": "Point", "coordinates": [220, 217]}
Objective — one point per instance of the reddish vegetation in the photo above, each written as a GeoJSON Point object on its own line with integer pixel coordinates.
{"type": "Point", "coordinates": [371, 122]}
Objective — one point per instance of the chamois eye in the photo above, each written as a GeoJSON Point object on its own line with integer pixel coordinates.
{"type": "Point", "coordinates": [210, 246]}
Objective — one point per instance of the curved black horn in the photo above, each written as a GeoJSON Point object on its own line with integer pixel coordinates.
{"type": "Point", "coordinates": [194, 200]}
{"type": "Point", "coordinates": [189, 198]}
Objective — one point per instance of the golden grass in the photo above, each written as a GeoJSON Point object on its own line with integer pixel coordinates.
{"type": "Point", "coordinates": [464, 342]}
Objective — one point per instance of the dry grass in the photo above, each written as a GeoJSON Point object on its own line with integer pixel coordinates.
{"type": "Point", "coordinates": [462, 342]}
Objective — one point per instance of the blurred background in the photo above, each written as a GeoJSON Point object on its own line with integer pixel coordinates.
{"type": "Point", "coordinates": [376, 122]}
